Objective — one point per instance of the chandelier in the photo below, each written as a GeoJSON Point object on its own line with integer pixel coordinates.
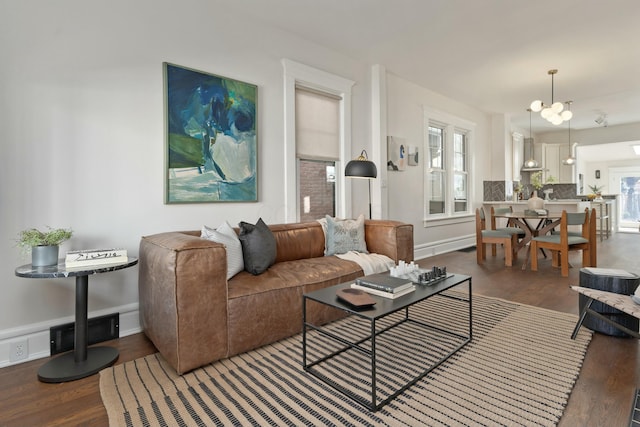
{"type": "Point", "coordinates": [552, 113]}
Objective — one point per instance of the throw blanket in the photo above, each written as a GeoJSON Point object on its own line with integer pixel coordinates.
{"type": "Point", "coordinates": [370, 263]}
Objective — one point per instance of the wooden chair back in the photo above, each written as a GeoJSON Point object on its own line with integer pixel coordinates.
{"type": "Point", "coordinates": [564, 242]}
{"type": "Point", "coordinates": [484, 237]}
{"type": "Point", "coordinates": [498, 211]}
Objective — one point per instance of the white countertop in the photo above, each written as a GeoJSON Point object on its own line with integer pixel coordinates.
{"type": "Point", "coordinates": [549, 202]}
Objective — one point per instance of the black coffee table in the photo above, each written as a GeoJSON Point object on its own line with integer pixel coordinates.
{"type": "Point", "coordinates": [82, 361]}
{"type": "Point", "coordinates": [371, 346]}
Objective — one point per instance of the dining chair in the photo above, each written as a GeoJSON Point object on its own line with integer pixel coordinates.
{"type": "Point", "coordinates": [593, 251]}
{"type": "Point", "coordinates": [593, 241]}
{"type": "Point", "coordinates": [519, 232]}
{"type": "Point", "coordinates": [484, 237]}
{"type": "Point", "coordinates": [561, 243]}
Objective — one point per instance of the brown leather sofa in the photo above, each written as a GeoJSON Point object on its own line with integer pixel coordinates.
{"type": "Point", "coordinates": [194, 316]}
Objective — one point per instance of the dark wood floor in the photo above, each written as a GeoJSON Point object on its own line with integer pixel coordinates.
{"type": "Point", "coordinates": [602, 395]}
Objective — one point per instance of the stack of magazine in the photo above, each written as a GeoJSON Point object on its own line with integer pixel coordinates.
{"type": "Point", "coordinates": [384, 285]}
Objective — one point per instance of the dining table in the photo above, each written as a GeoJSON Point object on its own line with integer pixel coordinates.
{"type": "Point", "coordinates": [533, 225]}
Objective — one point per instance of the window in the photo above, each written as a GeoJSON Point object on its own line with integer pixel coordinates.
{"type": "Point", "coordinates": [437, 172]}
{"type": "Point", "coordinates": [447, 178]}
{"type": "Point", "coordinates": [317, 189]}
{"type": "Point", "coordinates": [319, 163]}
{"type": "Point", "coordinates": [460, 193]}
{"type": "Point", "coordinates": [317, 152]}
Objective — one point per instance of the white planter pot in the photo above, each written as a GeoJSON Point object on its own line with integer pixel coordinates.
{"type": "Point", "coordinates": [535, 202]}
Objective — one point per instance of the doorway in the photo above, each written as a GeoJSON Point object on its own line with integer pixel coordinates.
{"type": "Point", "coordinates": [626, 182]}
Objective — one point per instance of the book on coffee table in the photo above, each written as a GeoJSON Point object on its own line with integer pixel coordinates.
{"type": "Point", "coordinates": [385, 283]}
{"type": "Point", "coordinates": [391, 295]}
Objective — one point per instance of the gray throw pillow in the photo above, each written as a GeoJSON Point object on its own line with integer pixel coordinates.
{"type": "Point", "coordinates": [345, 235]}
{"type": "Point", "coordinates": [258, 246]}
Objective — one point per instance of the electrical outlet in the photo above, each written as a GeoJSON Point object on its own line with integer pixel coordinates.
{"type": "Point", "coordinates": [18, 350]}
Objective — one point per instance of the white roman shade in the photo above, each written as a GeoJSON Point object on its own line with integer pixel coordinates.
{"type": "Point", "coordinates": [317, 125]}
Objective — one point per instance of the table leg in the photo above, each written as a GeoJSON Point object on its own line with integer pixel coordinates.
{"type": "Point", "coordinates": [82, 361]}
{"type": "Point", "coordinates": [81, 338]}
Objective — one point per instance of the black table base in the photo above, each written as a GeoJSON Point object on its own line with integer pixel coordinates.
{"type": "Point", "coordinates": [82, 361]}
{"type": "Point", "coordinates": [65, 368]}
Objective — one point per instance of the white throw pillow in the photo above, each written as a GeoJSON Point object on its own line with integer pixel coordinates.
{"type": "Point", "coordinates": [227, 236]}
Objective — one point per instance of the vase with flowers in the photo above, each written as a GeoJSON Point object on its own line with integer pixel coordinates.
{"type": "Point", "coordinates": [517, 191]}
{"type": "Point", "coordinates": [534, 201]}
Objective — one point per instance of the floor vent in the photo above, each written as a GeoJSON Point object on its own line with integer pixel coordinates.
{"type": "Point", "coordinates": [103, 328]}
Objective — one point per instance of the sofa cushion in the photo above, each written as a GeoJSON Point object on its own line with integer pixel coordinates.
{"type": "Point", "coordinates": [258, 246]}
{"type": "Point", "coordinates": [257, 314]}
{"type": "Point", "coordinates": [304, 272]}
{"type": "Point", "coordinates": [227, 236]}
{"type": "Point", "coordinates": [345, 235]}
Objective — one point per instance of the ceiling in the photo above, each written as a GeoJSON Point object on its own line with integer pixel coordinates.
{"type": "Point", "coordinates": [491, 54]}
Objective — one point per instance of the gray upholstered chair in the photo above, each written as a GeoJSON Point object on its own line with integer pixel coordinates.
{"type": "Point", "coordinates": [564, 241]}
{"type": "Point", "coordinates": [484, 237]}
{"type": "Point", "coordinates": [519, 232]}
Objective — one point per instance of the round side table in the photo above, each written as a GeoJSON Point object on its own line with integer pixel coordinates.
{"type": "Point", "coordinates": [610, 280]}
{"type": "Point", "coordinates": [82, 361]}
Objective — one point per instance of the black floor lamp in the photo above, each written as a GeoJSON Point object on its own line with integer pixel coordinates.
{"type": "Point", "coordinates": [362, 167]}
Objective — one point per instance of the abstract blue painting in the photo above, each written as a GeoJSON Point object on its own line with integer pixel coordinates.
{"type": "Point", "coordinates": [211, 138]}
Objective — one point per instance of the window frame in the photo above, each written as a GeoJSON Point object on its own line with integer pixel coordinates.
{"type": "Point", "coordinates": [318, 80]}
{"type": "Point", "coordinates": [462, 172]}
{"type": "Point", "coordinates": [450, 125]}
{"type": "Point", "coordinates": [439, 171]}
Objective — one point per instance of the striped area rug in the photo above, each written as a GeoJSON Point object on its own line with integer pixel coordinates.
{"type": "Point", "coordinates": [519, 369]}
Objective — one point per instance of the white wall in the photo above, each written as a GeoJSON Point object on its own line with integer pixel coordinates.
{"type": "Point", "coordinates": [605, 181]}
{"type": "Point", "coordinates": [82, 137]}
{"type": "Point", "coordinates": [598, 136]}
{"type": "Point", "coordinates": [405, 115]}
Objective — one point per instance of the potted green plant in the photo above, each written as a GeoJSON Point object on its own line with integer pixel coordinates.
{"type": "Point", "coordinates": [596, 192]}
{"type": "Point", "coordinates": [517, 189]}
{"type": "Point", "coordinates": [43, 245]}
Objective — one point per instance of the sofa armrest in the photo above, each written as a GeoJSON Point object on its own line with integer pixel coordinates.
{"type": "Point", "coordinates": [391, 238]}
{"type": "Point", "coordinates": [183, 298]}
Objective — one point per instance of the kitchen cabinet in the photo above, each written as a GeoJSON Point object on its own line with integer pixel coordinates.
{"type": "Point", "coordinates": [517, 147]}
{"type": "Point", "coordinates": [553, 156]}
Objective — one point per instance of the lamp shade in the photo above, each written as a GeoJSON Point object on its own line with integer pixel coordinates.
{"type": "Point", "coordinates": [361, 167]}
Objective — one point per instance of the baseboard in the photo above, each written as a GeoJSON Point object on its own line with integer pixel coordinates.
{"type": "Point", "coordinates": [430, 249]}
{"type": "Point", "coordinates": [37, 335]}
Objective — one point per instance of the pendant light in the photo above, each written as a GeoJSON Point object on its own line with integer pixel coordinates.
{"type": "Point", "coordinates": [552, 113]}
{"type": "Point", "coordinates": [531, 163]}
{"type": "Point", "coordinates": [569, 161]}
